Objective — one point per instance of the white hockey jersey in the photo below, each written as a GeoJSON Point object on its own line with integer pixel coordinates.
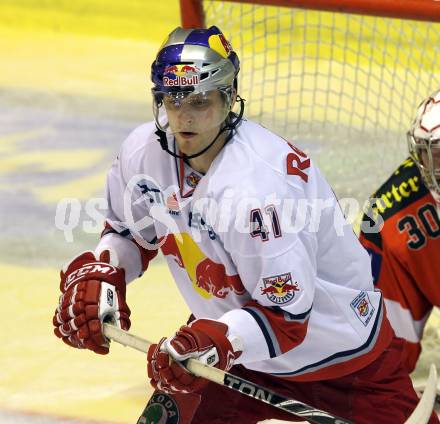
{"type": "Point", "coordinates": [259, 243]}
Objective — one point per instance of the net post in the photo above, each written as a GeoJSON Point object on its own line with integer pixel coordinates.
{"type": "Point", "coordinates": [192, 14]}
{"type": "Point", "coordinates": [419, 10]}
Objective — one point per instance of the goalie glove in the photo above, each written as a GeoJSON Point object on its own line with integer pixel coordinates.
{"type": "Point", "coordinates": [93, 291]}
{"type": "Point", "coordinates": [205, 340]}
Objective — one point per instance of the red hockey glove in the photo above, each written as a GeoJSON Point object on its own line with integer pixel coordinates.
{"type": "Point", "coordinates": [93, 290]}
{"type": "Point", "coordinates": [204, 340]}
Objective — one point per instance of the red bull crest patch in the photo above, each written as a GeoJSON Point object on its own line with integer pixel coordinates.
{"type": "Point", "coordinates": [181, 75]}
{"type": "Point", "coordinates": [280, 289]}
{"type": "Point", "coordinates": [362, 307]}
{"type": "Point", "coordinates": [192, 180]}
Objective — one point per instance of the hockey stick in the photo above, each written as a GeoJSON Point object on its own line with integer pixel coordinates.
{"type": "Point", "coordinates": [238, 384]}
{"type": "Point", "coordinates": [423, 411]}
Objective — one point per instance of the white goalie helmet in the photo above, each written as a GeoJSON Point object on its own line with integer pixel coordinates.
{"type": "Point", "coordinates": [424, 143]}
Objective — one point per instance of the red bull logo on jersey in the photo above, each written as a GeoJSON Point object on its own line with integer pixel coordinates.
{"type": "Point", "coordinates": [192, 180]}
{"type": "Point", "coordinates": [280, 289]}
{"type": "Point", "coordinates": [181, 75]}
{"type": "Point", "coordinates": [212, 278]}
{"type": "Point", "coordinates": [362, 307]}
{"type": "Point", "coordinates": [208, 277]}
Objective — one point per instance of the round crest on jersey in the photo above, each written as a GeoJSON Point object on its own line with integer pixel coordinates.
{"type": "Point", "coordinates": [424, 143]}
{"type": "Point", "coordinates": [194, 60]}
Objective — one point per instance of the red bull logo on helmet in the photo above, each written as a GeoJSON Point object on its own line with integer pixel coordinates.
{"type": "Point", "coordinates": [181, 75]}
{"type": "Point", "coordinates": [280, 289]}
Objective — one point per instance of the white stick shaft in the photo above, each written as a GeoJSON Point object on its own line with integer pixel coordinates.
{"type": "Point", "coordinates": [420, 415]}
{"type": "Point", "coordinates": [127, 339]}
{"type": "Point", "coordinates": [423, 410]}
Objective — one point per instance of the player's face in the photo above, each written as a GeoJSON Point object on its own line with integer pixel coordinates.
{"type": "Point", "coordinates": [195, 121]}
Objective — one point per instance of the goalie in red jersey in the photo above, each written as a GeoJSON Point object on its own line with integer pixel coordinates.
{"type": "Point", "coordinates": [405, 251]}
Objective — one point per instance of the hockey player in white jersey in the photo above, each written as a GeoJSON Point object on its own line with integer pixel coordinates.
{"type": "Point", "coordinates": [279, 286]}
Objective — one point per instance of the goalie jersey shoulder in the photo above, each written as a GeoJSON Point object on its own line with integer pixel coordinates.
{"type": "Point", "coordinates": [402, 189]}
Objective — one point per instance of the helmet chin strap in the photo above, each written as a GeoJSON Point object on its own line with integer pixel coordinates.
{"type": "Point", "coordinates": [228, 127]}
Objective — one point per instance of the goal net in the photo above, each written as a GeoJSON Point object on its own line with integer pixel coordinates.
{"type": "Point", "coordinates": [343, 86]}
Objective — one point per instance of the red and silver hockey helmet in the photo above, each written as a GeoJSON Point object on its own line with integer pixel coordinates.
{"type": "Point", "coordinates": [424, 143]}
